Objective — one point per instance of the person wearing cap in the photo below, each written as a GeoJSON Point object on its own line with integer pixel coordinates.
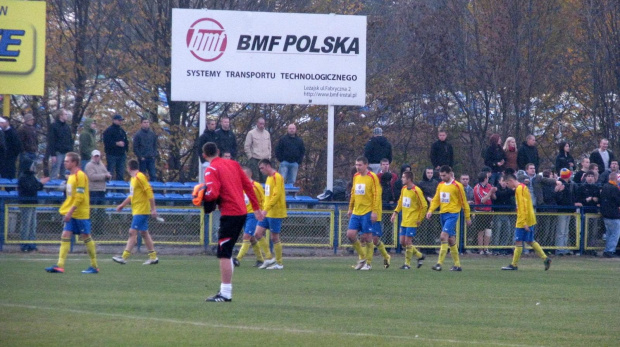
{"type": "Point", "coordinates": [442, 152]}
{"type": "Point", "coordinates": [13, 149]}
{"type": "Point", "coordinates": [565, 197]}
{"type": "Point", "coordinates": [377, 148]}
{"type": "Point", "coordinates": [87, 140]}
{"type": "Point", "coordinates": [97, 174]}
{"type": "Point", "coordinates": [59, 143]}
{"type": "Point", "coordinates": [27, 134]}
{"type": "Point", "coordinates": [115, 145]}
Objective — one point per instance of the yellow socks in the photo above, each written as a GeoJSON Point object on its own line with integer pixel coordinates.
{"type": "Point", "coordinates": [454, 252]}
{"type": "Point", "coordinates": [264, 246]}
{"type": "Point", "coordinates": [357, 245]}
{"type": "Point", "coordinates": [415, 251]}
{"type": "Point", "coordinates": [257, 252]}
{"type": "Point", "coordinates": [92, 251]}
{"type": "Point", "coordinates": [442, 253]}
{"type": "Point", "coordinates": [370, 252]}
{"type": "Point", "coordinates": [152, 255]}
{"type": "Point", "coordinates": [65, 245]}
{"type": "Point", "coordinates": [539, 251]}
{"type": "Point", "coordinates": [517, 255]}
{"type": "Point", "coordinates": [126, 254]}
{"type": "Point", "coordinates": [245, 246]}
{"type": "Point", "coordinates": [408, 255]}
{"type": "Point", "coordinates": [381, 248]}
{"type": "Point", "coordinates": [277, 248]}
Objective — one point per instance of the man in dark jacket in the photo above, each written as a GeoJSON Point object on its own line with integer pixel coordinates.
{"type": "Point", "coordinates": [610, 210]}
{"type": "Point", "coordinates": [145, 148]}
{"type": "Point", "coordinates": [27, 134]}
{"type": "Point", "coordinates": [115, 145]}
{"type": "Point", "coordinates": [13, 149]}
{"type": "Point", "coordinates": [604, 177]}
{"type": "Point", "coordinates": [208, 135]}
{"type": "Point", "coordinates": [442, 152]}
{"type": "Point", "coordinates": [225, 138]}
{"type": "Point", "coordinates": [290, 152]}
{"type": "Point", "coordinates": [601, 156]}
{"type": "Point", "coordinates": [528, 153]}
{"type": "Point", "coordinates": [27, 188]}
{"type": "Point", "coordinates": [377, 148]}
{"type": "Point", "coordinates": [59, 142]}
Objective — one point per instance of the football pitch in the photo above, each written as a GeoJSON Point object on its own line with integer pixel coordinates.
{"type": "Point", "coordinates": [312, 302]}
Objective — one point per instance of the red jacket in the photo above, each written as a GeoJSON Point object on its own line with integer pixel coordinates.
{"type": "Point", "coordinates": [227, 182]}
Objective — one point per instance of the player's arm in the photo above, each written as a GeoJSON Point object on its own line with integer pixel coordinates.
{"type": "Point", "coordinates": [352, 199]}
{"type": "Point", "coordinates": [214, 185]}
{"type": "Point", "coordinates": [248, 188]}
{"type": "Point", "coordinates": [521, 207]}
{"type": "Point", "coordinates": [260, 194]}
{"type": "Point", "coordinates": [434, 204]}
{"type": "Point", "coordinates": [376, 198]}
{"type": "Point", "coordinates": [124, 203]}
{"type": "Point", "coordinates": [423, 204]}
{"type": "Point", "coordinates": [399, 206]}
{"type": "Point", "coordinates": [464, 203]}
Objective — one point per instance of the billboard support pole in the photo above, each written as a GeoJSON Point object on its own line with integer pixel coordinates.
{"type": "Point", "coordinates": [6, 106]}
{"type": "Point", "coordinates": [330, 147]}
{"type": "Point", "coordinates": [202, 124]}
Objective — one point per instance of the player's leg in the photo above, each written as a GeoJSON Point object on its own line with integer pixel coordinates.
{"type": "Point", "coordinates": [377, 233]}
{"type": "Point", "coordinates": [454, 253]}
{"type": "Point", "coordinates": [65, 246]}
{"type": "Point", "coordinates": [230, 228]}
{"type": "Point", "coordinates": [262, 241]}
{"type": "Point", "coordinates": [355, 225]}
{"type": "Point", "coordinates": [275, 225]}
{"type": "Point", "coordinates": [150, 246]}
{"type": "Point", "coordinates": [85, 236]}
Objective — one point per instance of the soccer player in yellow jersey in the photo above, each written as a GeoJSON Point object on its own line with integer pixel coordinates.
{"type": "Point", "coordinates": [250, 224]}
{"type": "Point", "coordinates": [364, 206]}
{"type": "Point", "coordinates": [414, 208]}
{"type": "Point", "coordinates": [142, 206]}
{"type": "Point", "coordinates": [274, 210]}
{"type": "Point", "coordinates": [377, 233]}
{"type": "Point", "coordinates": [526, 219]}
{"type": "Point", "coordinates": [450, 197]}
{"type": "Point", "coordinates": [76, 212]}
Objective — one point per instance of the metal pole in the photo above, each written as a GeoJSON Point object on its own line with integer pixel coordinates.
{"type": "Point", "coordinates": [6, 106]}
{"type": "Point", "coordinates": [330, 147]}
{"type": "Point", "coordinates": [202, 124]}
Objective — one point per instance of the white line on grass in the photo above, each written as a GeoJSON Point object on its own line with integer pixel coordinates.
{"type": "Point", "coordinates": [268, 329]}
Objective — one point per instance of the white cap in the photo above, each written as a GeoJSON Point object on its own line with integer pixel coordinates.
{"type": "Point", "coordinates": [2, 120]}
{"type": "Point", "coordinates": [95, 152]}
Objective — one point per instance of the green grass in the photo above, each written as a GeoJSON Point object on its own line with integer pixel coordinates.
{"type": "Point", "coordinates": [312, 302]}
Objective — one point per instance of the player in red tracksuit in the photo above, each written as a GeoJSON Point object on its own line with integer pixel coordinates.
{"type": "Point", "coordinates": [226, 182]}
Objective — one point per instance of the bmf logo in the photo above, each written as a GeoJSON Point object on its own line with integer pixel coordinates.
{"type": "Point", "coordinates": [206, 39]}
{"type": "Point", "coordinates": [17, 48]}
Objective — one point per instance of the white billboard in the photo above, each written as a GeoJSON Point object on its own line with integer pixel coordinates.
{"type": "Point", "coordinates": [258, 57]}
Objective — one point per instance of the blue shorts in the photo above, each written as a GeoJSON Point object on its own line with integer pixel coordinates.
{"type": "Point", "coordinates": [525, 236]}
{"type": "Point", "coordinates": [273, 224]}
{"type": "Point", "coordinates": [408, 231]}
{"type": "Point", "coordinates": [140, 222]}
{"type": "Point", "coordinates": [361, 223]}
{"type": "Point", "coordinates": [250, 224]}
{"type": "Point", "coordinates": [78, 226]}
{"type": "Point", "coordinates": [448, 223]}
{"type": "Point", "coordinates": [377, 229]}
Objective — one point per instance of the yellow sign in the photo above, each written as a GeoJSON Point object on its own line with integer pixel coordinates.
{"type": "Point", "coordinates": [22, 47]}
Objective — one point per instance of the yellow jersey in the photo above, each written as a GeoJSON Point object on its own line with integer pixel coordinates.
{"type": "Point", "coordinates": [260, 196]}
{"type": "Point", "coordinates": [140, 192]}
{"type": "Point", "coordinates": [275, 197]}
{"type": "Point", "coordinates": [365, 194]}
{"type": "Point", "coordinates": [451, 198]}
{"type": "Point", "coordinates": [525, 208]}
{"type": "Point", "coordinates": [414, 206]}
{"type": "Point", "coordinates": [77, 195]}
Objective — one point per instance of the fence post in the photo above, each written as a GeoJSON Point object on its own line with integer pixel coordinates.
{"type": "Point", "coordinates": [462, 231]}
{"type": "Point", "coordinates": [399, 247]}
{"type": "Point", "coordinates": [336, 227]}
{"type": "Point", "coordinates": [582, 245]}
{"type": "Point", "coordinates": [205, 230]}
{"type": "Point", "coordinates": [1, 223]}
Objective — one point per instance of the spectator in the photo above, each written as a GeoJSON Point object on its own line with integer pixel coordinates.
{"type": "Point", "coordinates": [428, 184]}
{"type": "Point", "coordinates": [208, 135]}
{"type": "Point", "coordinates": [226, 140]}
{"type": "Point", "coordinates": [377, 148]}
{"type": "Point", "coordinates": [547, 223]}
{"type": "Point", "coordinates": [13, 149]}
{"type": "Point", "coordinates": [387, 179]}
{"type": "Point", "coordinates": [528, 153]}
{"type": "Point", "coordinates": [469, 191]}
{"type": "Point", "coordinates": [2, 144]}
{"type": "Point", "coordinates": [494, 157]}
{"type": "Point", "coordinates": [602, 156]}
{"type": "Point", "coordinates": [565, 198]}
{"type": "Point", "coordinates": [483, 195]}
{"type": "Point", "coordinates": [594, 168]}
{"type": "Point", "coordinates": [604, 177]}
{"type": "Point", "coordinates": [588, 196]}
{"type": "Point", "coordinates": [257, 147]}
{"type": "Point", "coordinates": [511, 153]}
{"type": "Point", "coordinates": [503, 223]}
{"type": "Point", "coordinates": [27, 187]}
{"type": "Point", "coordinates": [97, 177]}
{"type": "Point", "coordinates": [610, 210]}
{"type": "Point", "coordinates": [290, 152]}
{"type": "Point", "coordinates": [441, 151]}
{"type": "Point", "coordinates": [398, 185]}
{"type": "Point", "coordinates": [226, 155]}
{"type": "Point", "coordinates": [59, 143]}
{"type": "Point", "coordinates": [87, 140]}
{"type": "Point", "coordinates": [564, 160]}
{"type": "Point", "coordinates": [579, 177]}
{"type": "Point", "coordinates": [27, 134]}
{"type": "Point", "coordinates": [145, 148]}
{"type": "Point", "coordinates": [535, 183]}
{"type": "Point", "coordinates": [116, 146]}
